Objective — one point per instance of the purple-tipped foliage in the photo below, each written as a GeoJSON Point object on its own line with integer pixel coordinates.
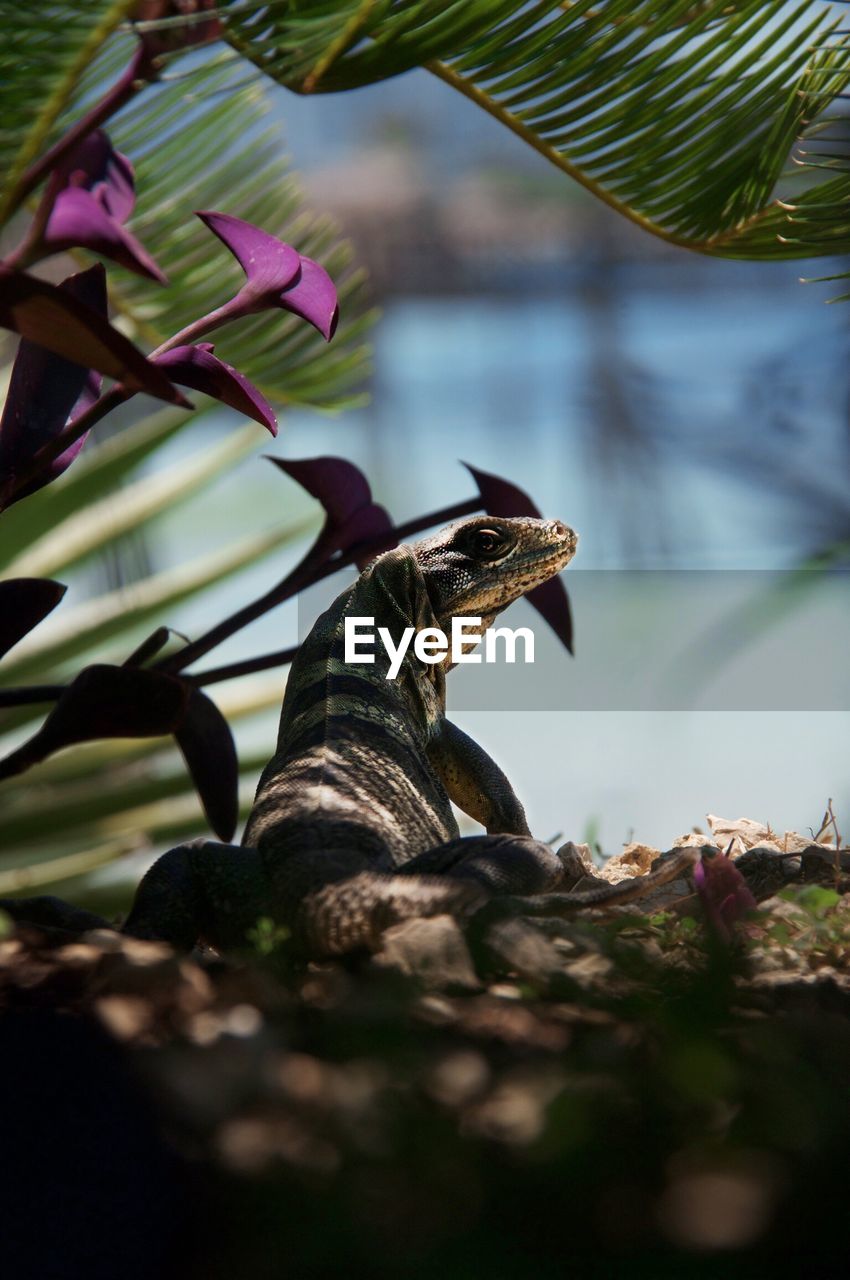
{"type": "Point", "coordinates": [23, 604]}
{"type": "Point", "coordinates": [95, 166]}
{"type": "Point", "coordinates": [338, 485]}
{"type": "Point", "coordinates": [351, 517]}
{"type": "Point", "coordinates": [501, 498]}
{"type": "Point", "coordinates": [210, 754]}
{"type": "Point", "coordinates": [104, 702]}
{"type": "Point", "coordinates": [135, 702]}
{"type": "Point", "coordinates": [724, 893]}
{"type": "Point", "coordinates": [198, 368]}
{"type": "Point", "coordinates": [46, 392]}
{"type": "Point", "coordinates": [91, 194]}
{"type": "Point", "coordinates": [52, 317]}
{"type": "Point", "coordinates": [276, 276]}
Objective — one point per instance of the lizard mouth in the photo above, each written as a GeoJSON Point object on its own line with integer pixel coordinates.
{"type": "Point", "coordinates": [545, 561]}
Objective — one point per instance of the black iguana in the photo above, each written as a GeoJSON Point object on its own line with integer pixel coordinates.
{"type": "Point", "coordinates": [352, 828]}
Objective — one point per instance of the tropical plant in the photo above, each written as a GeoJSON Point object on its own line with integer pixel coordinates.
{"type": "Point", "coordinates": [680, 116]}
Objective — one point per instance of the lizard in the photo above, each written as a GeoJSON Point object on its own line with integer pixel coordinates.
{"type": "Point", "coordinates": [352, 828]}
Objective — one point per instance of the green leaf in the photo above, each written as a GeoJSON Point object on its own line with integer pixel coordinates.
{"type": "Point", "coordinates": [817, 900]}
{"type": "Point", "coordinates": [99, 524]}
{"type": "Point", "coordinates": [97, 474]}
{"type": "Point", "coordinates": [37, 874]}
{"type": "Point", "coordinates": [678, 116]}
{"type": "Point", "coordinates": [47, 49]}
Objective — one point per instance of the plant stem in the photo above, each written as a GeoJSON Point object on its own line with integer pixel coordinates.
{"type": "Point", "coordinates": [31, 693]}
{"type": "Point", "coordinates": [66, 437]}
{"type": "Point", "coordinates": [263, 662]}
{"type": "Point", "coordinates": [311, 570]}
{"type": "Point", "coordinates": [205, 324]}
{"type": "Point", "coordinates": [140, 71]}
{"type": "Point", "coordinates": [305, 574]}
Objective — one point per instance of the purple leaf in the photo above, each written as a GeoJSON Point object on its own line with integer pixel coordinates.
{"type": "Point", "coordinates": [78, 219]}
{"type": "Point", "coordinates": [500, 497]}
{"type": "Point", "coordinates": [207, 744]}
{"type": "Point", "coordinates": [23, 604]}
{"type": "Point", "coordinates": [367, 525]}
{"type": "Point", "coordinates": [93, 164]}
{"type": "Point", "coordinates": [135, 702]}
{"type": "Point", "coordinates": [198, 368]}
{"type": "Point", "coordinates": [313, 297]}
{"type": "Point", "coordinates": [91, 193]}
{"type": "Point", "coordinates": [46, 391]}
{"type": "Point", "coordinates": [351, 516]}
{"type": "Point", "coordinates": [341, 487]}
{"type": "Point", "coordinates": [48, 315]}
{"type": "Point", "coordinates": [277, 276]}
{"type": "Point", "coordinates": [269, 264]}
{"type": "Point", "coordinates": [550, 599]}
{"type": "Point", "coordinates": [105, 702]}
{"type": "Point", "coordinates": [724, 893]}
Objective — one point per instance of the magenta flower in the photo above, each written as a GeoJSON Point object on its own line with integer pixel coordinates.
{"type": "Point", "coordinates": [724, 893]}
{"type": "Point", "coordinates": [198, 368]}
{"type": "Point", "coordinates": [90, 195]}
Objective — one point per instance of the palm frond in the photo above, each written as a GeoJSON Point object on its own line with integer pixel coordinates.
{"type": "Point", "coordinates": [125, 612]}
{"type": "Point", "coordinates": [679, 116]}
{"type": "Point", "coordinates": [87, 531]}
{"type": "Point", "coordinates": [46, 50]}
{"type": "Point", "coordinates": [81, 809]}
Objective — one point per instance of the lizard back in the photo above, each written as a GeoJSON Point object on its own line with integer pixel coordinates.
{"type": "Point", "coordinates": [351, 769]}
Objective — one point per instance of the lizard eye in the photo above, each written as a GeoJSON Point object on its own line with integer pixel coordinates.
{"type": "Point", "coordinates": [487, 541]}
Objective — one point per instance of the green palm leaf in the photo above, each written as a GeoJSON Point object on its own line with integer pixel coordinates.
{"type": "Point", "coordinates": [679, 116]}
{"type": "Point", "coordinates": [46, 50]}
{"type": "Point", "coordinates": [89, 806]}
{"type": "Point", "coordinates": [198, 139]}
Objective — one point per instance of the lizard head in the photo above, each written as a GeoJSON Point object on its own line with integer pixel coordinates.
{"type": "Point", "coordinates": [477, 567]}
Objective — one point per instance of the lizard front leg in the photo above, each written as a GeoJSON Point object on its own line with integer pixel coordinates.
{"type": "Point", "coordinates": [475, 782]}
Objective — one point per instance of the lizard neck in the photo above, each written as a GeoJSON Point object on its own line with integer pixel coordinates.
{"type": "Point", "coordinates": [391, 591]}
{"type": "Point", "coordinates": [352, 750]}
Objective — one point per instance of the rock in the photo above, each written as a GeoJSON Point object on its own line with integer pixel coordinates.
{"type": "Point", "coordinates": [691, 840]}
{"type": "Point", "coordinates": [635, 860]}
{"type": "Point", "coordinates": [433, 950]}
{"type": "Point", "coordinates": [746, 834]}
